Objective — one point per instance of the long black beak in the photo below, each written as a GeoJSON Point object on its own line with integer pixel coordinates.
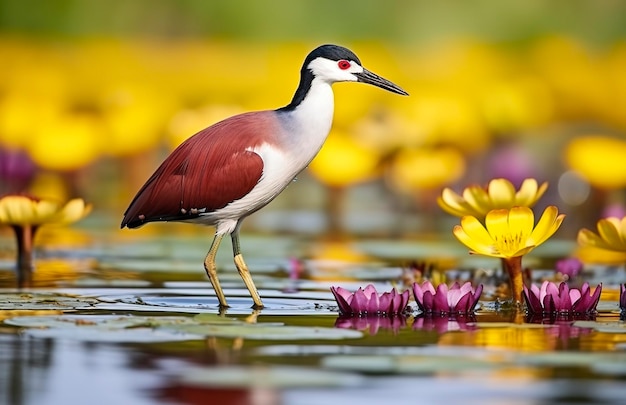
{"type": "Point", "coordinates": [372, 78]}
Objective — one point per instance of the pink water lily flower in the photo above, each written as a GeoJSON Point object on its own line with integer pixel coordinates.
{"type": "Point", "coordinates": [369, 301]}
{"type": "Point", "coordinates": [570, 267]}
{"type": "Point", "coordinates": [553, 299]}
{"type": "Point", "coordinates": [457, 299]}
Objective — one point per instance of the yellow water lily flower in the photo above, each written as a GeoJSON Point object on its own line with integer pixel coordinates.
{"type": "Point", "coordinates": [611, 235]}
{"type": "Point", "coordinates": [23, 210]}
{"type": "Point", "coordinates": [509, 234]}
{"type": "Point", "coordinates": [26, 214]}
{"type": "Point", "coordinates": [477, 201]}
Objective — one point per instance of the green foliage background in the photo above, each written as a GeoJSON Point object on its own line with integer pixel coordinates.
{"type": "Point", "coordinates": [599, 21]}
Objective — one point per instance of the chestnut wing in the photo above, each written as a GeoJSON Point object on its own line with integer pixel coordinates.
{"type": "Point", "coordinates": [205, 173]}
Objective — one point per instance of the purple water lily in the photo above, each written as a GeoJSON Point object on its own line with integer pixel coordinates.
{"type": "Point", "coordinates": [369, 301]}
{"type": "Point", "coordinates": [457, 299]}
{"type": "Point", "coordinates": [569, 267]}
{"type": "Point", "coordinates": [17, 171]}
{"type": "Point", "coordinates": [553, 299]}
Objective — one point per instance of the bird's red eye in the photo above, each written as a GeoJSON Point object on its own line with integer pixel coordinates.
{"type": "Point", "coordinates": [343, 64]}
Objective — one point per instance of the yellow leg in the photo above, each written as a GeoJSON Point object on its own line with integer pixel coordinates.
{"type": "Point", "coordinates": [211, 270]}
{"type": "Point", "coordinates": [244, 272]}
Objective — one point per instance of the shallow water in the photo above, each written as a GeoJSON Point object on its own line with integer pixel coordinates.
{"type": "Point", "coordinates": [113, 318]}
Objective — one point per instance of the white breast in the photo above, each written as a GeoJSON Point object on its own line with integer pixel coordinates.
{"type": "Point", "coordinates": [304, 131]}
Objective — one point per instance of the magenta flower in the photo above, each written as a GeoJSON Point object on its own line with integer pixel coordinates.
{"type": "Point", "coordinates": [569, 267]}
{"type": "Point", "coordinates": [550, 299]}
{"type": "Point", "coordinates": [372, 323]}
{"type": "Point", "coordinates": [17, 171]}
{"type": "Point", "coordinates": [368, 301]}
{"type": "Point", "coordinates": [622, 297]}
{"type": "Point", "coordinates": [454, 300]}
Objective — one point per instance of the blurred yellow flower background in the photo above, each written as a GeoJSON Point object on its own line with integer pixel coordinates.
{"type": "Point", "coordinates": [106, 110]}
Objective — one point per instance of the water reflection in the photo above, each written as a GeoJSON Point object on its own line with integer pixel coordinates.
{"type": "Point", "coordinates": [444, 324]}
{"type": "Point", "coordinates": [197, 395]}
{"type": "Point", "coordinates": [50, 371]}
{"type": "Point", "coordinates": [54, 372]}
{"type": "Point", "coordinates": [372, 323]}
{"type": "Point", "coordinates": [51, 272]}
{"type": "Point", "coordinates": [562, 334]}
{"type": "Point", "coordinates": [24, 367]}
{"type": "Point", "coordinates": [519, 333]}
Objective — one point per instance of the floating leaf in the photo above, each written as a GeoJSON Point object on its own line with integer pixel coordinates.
{"type": "Point", "coordinates": [263, 331]}
{"type": "Point", "coordinates": [606, 327]}
{"type": "Point", "coordinates": [267, 377]}
{"type": "Point", "coordinates": [569, 359]}
{"type": "Point", "coordinates": [45, 301]}
{"type": "Point", "coordinates": [102, 328]}
{"type": "Point", "coordinates": [276, 303]}
{"type": "Point", "coordinates": [407, 364]}
{"type": "Point", "coordinates": [608, 307]}
{"type": "Point", "coordinates": [163, 328]}
{"type": "Point", "coordinates": [613, 368]}
{"type": "Point", "coordinates": [5, 314]}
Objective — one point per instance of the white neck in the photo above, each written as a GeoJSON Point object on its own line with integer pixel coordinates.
{"type": "Point", "coordinates": [309, 123]}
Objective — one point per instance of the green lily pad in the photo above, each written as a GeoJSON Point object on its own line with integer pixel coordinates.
{"type": "Point", "coordinates": [45, 301]}
{"type": "Point", "coordinates": [267, 377]}
{"type": "Point", "coordinates": [264, 331]}
{"type": "Point", "coordinates": [102, 328]}
{"type": "Point", "coordinates": [606, 327]}
{"type": "Point", "coordinates": [608, 307]}
{"type": "Point", "coordinates": [612, 368]}
{"type": "Point", "coordinates": [569, 359]}
{"type": "Point", "coordinates": [112, 328]}
{"type": "Point", "coordinates": [406, 364]}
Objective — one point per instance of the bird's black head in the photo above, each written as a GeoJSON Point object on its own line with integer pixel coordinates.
{"type": "Point", "coordinates": [331, 52]}
{"type": "Point", "coordinates": [334, 63]}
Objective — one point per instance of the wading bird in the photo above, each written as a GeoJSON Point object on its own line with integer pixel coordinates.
{"type": "Point", "coordinates": [235, 167]}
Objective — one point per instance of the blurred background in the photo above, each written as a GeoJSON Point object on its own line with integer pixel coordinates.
{"type": "Point", "coordinates": [94, 94]}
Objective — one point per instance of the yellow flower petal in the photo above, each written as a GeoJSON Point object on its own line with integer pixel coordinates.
{"type": "Point", "coordinates": [475, 237]}
{"type": "Point", "coordinates": [521, 221]}
{"type": "Point", "coordinates": [44, 210]}
{"type": "Point", "coordinates": [452, 203]}
{"type": "Point", "coordinates": [622, 229]}
{"type": "Point", "coordinates": [608, 229]}
{"type": "Point", "coordinates": [478, 199]}
{"type": "Point", "coordinates": [497, 222]}
{"type": "Point", "coordinates": [23, 210]}
{"type": "Point", "coordinates": [73, 211]}
{"type": "Point", "coordinates": [508, 232]}
{"type": "Point", "coordinates": [548, 224]}
{"type": "Point", "coordinates": [529, 193]}
{"type": "Point", "coordinates": [589, 238]}
{"type": "Point", "coordinates": [476, 230]}
{"type": "Point", "coordinates": [501, 193]}
{"type": "Point", "coordinates": [611, 235]}
{"type": "Point", "coordinates": [11, 209]}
